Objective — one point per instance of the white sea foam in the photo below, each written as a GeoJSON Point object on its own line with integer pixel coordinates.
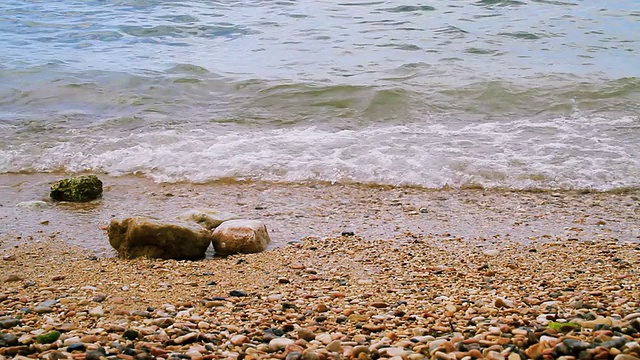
{"type": "Point", "coordinates": [559, 153]}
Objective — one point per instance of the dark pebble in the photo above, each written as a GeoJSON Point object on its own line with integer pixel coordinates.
{"type": "Point", "coordinates": [9, 323]}
{"type": "Point", "coordinates": [348, 233]}
{"type": "Point", "coordinates": [94, 355]}
{"type": "Point", "coordinates": [76, 347]}
{"type": "Point", "coordinates": [8, 340]}
{"type": "Point", "coordinates": [212, 283]}
{"type": "Point", "coordinates": [129, 351]}
{"type": "Point", "coordinates": [286, 305]}
{"type": "Point", "coordinates": [294, 355]}
{"type": "Point", "coordinates": [341, 319]}
{"type": "Point", "coordinates": [321, 318]}
{"type": "Point", "coordinates": [575, 346]}
{"type": "Point", "coordinates": [237, 293]}
{"type": "Point", "coordinates": [131, 334]}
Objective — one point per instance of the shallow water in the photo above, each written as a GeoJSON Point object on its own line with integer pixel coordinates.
{"type": "Point", "coordinates": [494, 93]}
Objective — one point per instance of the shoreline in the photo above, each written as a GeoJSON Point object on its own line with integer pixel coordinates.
{"type": "Point", "coordinates": [293, 211]}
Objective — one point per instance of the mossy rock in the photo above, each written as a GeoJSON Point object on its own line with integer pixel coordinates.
{"type": "Point", "coordinates": [48, 338]}
{"type": "Point", "coordinates": [77, 189]}
{"type": "Point", "coordinates": [563, 327]}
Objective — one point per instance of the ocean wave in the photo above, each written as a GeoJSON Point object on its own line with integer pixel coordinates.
{"type": "Point", "coordinates": [555, 154]}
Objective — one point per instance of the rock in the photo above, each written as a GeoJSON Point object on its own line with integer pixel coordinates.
{"type": "Point", "coordinates": [96, 312]}
{"type": "Point", "coordinates": [6, 323]}
{"type": "Point", "coordinates": [306, 334]}
{"type": "Point", "coordinates": [491, 252]}
{"type": "Point", "coordinates": [12, 278]}
{"type": "Point", "coordinates": [48, 338]}
{"type": "Point", "coordinates": [237, 293]}
{"type": "Point", "coordinates": [77, 189]}
{"type": "Point", "coordinates": [334, 346]}
{"type": "Point", "coordinates": [625, 357]}
{"type": "Point", "coordinates": [32, 204]}
{"type": "Point", "coordinates": [131, 334]}
{"type": "Point", "coordinates": [163, 322]}
{"type": "Point", "coordinates": [94, 355]}
{"type": "Point", "coordinates": [8, 340]}
{"type": "Point", "coordinates": [239, 340]}
{"type": "Point", "coordinates": [240, 236]}
{"type": "Point", "coordinates": [76, 347]}
{"type": "Point", "coordinates": [207, 218]}
{"type": "Point", "coordinates": [139, 236]}
{"type": "Point", "coordinates": [379, 304]}
{"type": "Point", "coordinates": [279, 343]}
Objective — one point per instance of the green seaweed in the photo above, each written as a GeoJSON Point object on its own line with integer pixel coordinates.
{"type": "Point", "coordinates": [563, 327]}
{"type": "Point", "coordinates": [48, 338]}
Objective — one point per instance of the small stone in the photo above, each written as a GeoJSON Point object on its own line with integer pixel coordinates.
{"type": "Point", "coordinates": [185, 339]}
{"type": "Point", "coordinates": [279, 343]}
{"type": "Point", "coordinates": [503, 303]}
{"type": "Point", "coordinates": [334, 346]}
{"type": "Point", "coordinates": [310, 355]}
{"type": "Point", "coordinates": [237, 293]}
{"type": "Point", "coordinates": [491, 252]}
{"type": "Point", "coordinates": [7, 323]}
{"type": "Point", "coordinates": [373, 327]}
{"type": "Point", "coordinates": [494, 355]}
{"type": "Point", "coordinates": [283, 280]}
{"type": "Point", "coordinates": [450, 308]}
{"type": "Point", "coordinates": [94, 355]}
{"type": "Point", "coordinates": [96, 312]}
{"type": "Point", "coordinates": [7, 340]}
{"type": "Point", "coordinates": [163, 322]}
{"type": "Point", "coordinates": [76, 347]}
{"type": "Point", "coordinates": [324, 338]}
{"type": "Point", "coordinates": [239, 340]}
{"type": "Point", "coordinates": [360, 349]}
{"type": "Point", "coordinates": [625, 357]}
{"type": "Point", "coordinates": [12, 278]}
{"type": "Point", "coordinates": [379, 305]}
{"type": "Point", "coordinates": [131, 334]}
{"type": "Point", "coordinates": [48, 338]}
{"type": "Point", "coordinates": [306, 334]}
{"type": "Point", "coordinates": [32, 204]}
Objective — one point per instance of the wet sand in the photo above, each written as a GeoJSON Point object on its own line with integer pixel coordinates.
{"type": "Point", "coordinates": [295, 211]}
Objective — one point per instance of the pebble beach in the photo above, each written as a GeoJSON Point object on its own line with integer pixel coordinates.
{"type": "Point", "coordinates": [354, 271]}
{"type": "Point", "coordinates": [408, 296]}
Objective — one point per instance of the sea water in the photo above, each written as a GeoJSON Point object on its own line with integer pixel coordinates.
{"type": "Point", "coordinates": [492, 93]}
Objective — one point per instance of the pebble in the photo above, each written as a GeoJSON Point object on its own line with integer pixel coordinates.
{"type": "Point", "coordinates": [9, 323]}
{"type": "Point", "coordinates": [239, 340]}
{"type": "Point", "coordinates": [279, 343]}
{"type": "Point", "coordinates": [306, 334]}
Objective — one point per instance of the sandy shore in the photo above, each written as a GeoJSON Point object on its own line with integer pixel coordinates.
{"type": "Point", "coordinates": [429, 274]}
{"type": "Point", "coordinates": [295, 211]}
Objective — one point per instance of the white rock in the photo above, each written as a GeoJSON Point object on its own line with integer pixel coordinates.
{"type": "Point", "coordinates": [32, 204]}
{"type": "Point", "coordinates": [279, 343]}
{"type": "Point", "coordinates": [240, 236]}
{"type": "Point", "coordinates": [491, 252]}
{"type": "Point", "coordinates": [96, 312]}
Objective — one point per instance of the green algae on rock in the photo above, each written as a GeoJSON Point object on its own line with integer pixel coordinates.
{"type": "Point", "coordinates": [77, 189]}
{"type": "Point", "coordinates": [48, 338]}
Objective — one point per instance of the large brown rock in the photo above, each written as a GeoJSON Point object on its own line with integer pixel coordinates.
{"type": "Point", "coordinates": [240, 236]}
{"type": "Point", "coordinates": [139, 236]}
